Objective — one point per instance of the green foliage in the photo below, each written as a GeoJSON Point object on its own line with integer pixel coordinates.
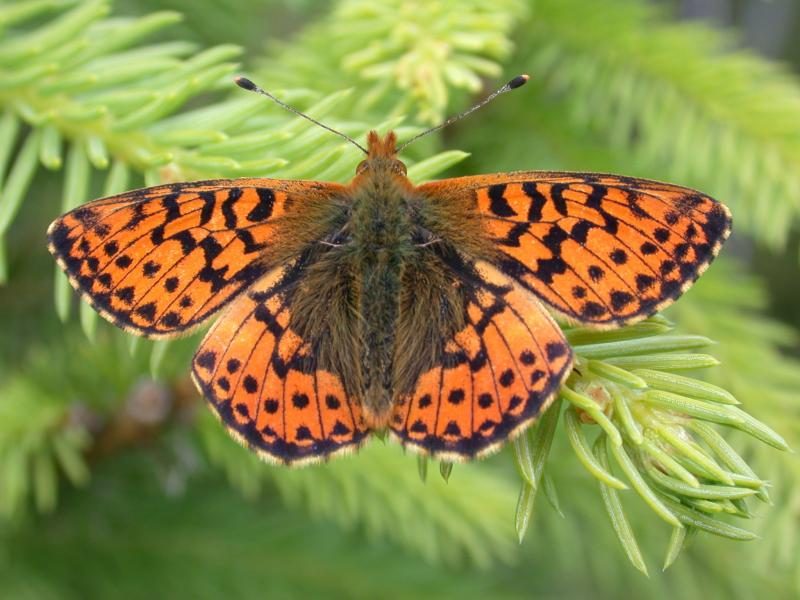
{"type": "Point", "coordinates": [654, 422]}
{"type": "Point", "coordinates": [91, 97]}
{"type": "Point", "coordinates": [445, 525]}
{"type": "Point", "coordinates": [206, 541]}
{"type": "Point", "coordinates": [403, 57]}
{"type": "Point", "coordinates": [724, 120]}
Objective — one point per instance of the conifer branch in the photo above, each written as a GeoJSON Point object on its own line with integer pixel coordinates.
{"type": "Point", "coordinates": [681, 100]}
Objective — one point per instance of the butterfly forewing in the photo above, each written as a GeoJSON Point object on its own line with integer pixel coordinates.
{"type": "Point", "coordinates": [262, 380]}
{"type": "Point", "coordinates": [498, 374]}
{"type": "Point", "coordinates": [161, 260]}
{"type": "Point", "coordinates": [599, 249]}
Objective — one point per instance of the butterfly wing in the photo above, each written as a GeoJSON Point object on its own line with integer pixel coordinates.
{"type": "Point", "coordinates": [262, 380]}
{"type": "Point", "coordinates": [161, 260]}
{"type": "Point", "coordinates": [600, 249]}
{"type": "Point", "coordinates": [497, 375]}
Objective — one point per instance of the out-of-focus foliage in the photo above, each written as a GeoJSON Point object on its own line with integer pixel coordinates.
{"type": "Point", "coordinates": [402, 57]}
{"type": "Point", "coordinates": [680, 97]}
{"type": "Point", "coordinates": [96, 98]}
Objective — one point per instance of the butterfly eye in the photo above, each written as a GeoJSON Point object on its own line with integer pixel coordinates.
{"type": "Point", "coordinates": [362, 166]}
{"type": "Point", "coordinates": [399, 167]}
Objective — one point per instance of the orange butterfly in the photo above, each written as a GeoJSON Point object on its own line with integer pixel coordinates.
{"type": "Point", "coordinates": [381, 304]}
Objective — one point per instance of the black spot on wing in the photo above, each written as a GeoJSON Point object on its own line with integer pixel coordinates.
{"type": "Point", "coordinates": [538, 201]}
{"type": "Point", "coordinates": [592, 310]}
{"type": "Point", "coordinates": [456, 396]}
{"type": "Point", "coordinates": [717, 223]}
{"type": "Point", "coordinates": [171, 284]}
{"type": "Point", "coordinates": [300, 400]}
{"type": "Point", "coordinates": [555, 350]}
{"type": "Point", "coordinates": [559, 202]}
{"type": "Point", "coordinates": [150, 268]}
{"type": "Point", "coordinates": [304, 433]}
{"type": "Point", "coordinates": [60, 240]}
{"type": "Point", "coordinates": [171, 319]}
{"type": "Point", "coordinates": [580, 231]}
{"type": "Point", "coordinates": [498, 203]}
{"type": "Point", "coordinates": [250, 384]}
{"type": "Point", "coordinates": [452, 429]}
{"type": "Point", "coordinates": [596, 273]}
{"type": "Point", "coordinates": [125, 294]}
{"type": "Point", "coordinates": [85, 215]}
{"type": "Point", "coordinates": [250, 245]}
{"type": "Point", "coordinates": [619, 256]}
{"type": "Point", "coordinates": [506, 378]}
{"type": "Point", "coordinates": [595, 198]}
{"type": "Point", "coordinates": [228, 207]}
{"type": "Point", "coordinates": [547, 268]}
{"type": "Point", "coordinates": [340, 429]}
{"type": "Point", "coordinates": [206, 360]}
{"type": "Point", "coordinates": [620, 300]}
{"type": "Point", "coordinates": [147, 311]}
{"type": "Point", "coordinates": [514, 234]}
{"type": "Point", "coordinates": [648, 248]}
{"type": "Point", "coordinates": [418, 427]}
{"type": "Point", "coordinates": [207, 211]}
{"type": "Point", "coordinates": [644, 282]}
{"type": "Point", "coordinates": [554, 238]}
{"type": "Point", "coordinates": [171, 206]}
{"type": "Point", "coordinates": [661, 234]}
{"type": "Point", "coordinates": [263, 209]}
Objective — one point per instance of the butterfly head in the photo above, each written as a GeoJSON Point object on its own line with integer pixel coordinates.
{"type": "Point", "coordinates": [381, 156]}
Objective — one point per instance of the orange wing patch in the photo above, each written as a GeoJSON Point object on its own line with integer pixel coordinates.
{"type": "Point", "coordinates": [161, 260]}
{"type": "Point", "coordinates": [262, 381]}
{"type": "Point", "coordinates": [498, 374]}
{"type": "Point", "coordinates": [600, 249]}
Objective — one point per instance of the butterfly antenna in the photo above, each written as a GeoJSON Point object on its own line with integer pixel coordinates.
{"type": "Point", "coordinates": [248, 85]}
{"type": "Point", "coordinates": [518, 81]}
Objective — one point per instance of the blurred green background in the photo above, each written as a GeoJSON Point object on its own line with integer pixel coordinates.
{"type": "Point", "coordinates": [114, 479]}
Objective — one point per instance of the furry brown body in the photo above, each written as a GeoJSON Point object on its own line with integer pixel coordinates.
{"type": "Point", "coordinates": [379, 294]}
{"type": "Point", "coordinates": [381, 242]}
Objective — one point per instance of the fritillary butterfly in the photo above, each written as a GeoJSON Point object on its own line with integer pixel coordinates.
{"type": "Point", "coordinates": [381, 304]}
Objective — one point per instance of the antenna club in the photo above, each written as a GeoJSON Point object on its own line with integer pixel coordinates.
{"type": "Point", "coordinates": [245, 83]}
{"type": "Point", "coordinates": [518, 81]}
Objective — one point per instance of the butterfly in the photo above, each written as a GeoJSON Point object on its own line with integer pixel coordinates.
{"type": "Point", "coordinates": [382, 305]}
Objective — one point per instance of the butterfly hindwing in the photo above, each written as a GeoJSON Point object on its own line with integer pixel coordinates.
{"type": "Point", "coordinates": [262, 380]}
{"type": "Point", "coordinates": [600, 249]}
{"type": "Point", "coordinates": [161, 260]}
{"type": "Point", "coordinates": [497, 375]}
